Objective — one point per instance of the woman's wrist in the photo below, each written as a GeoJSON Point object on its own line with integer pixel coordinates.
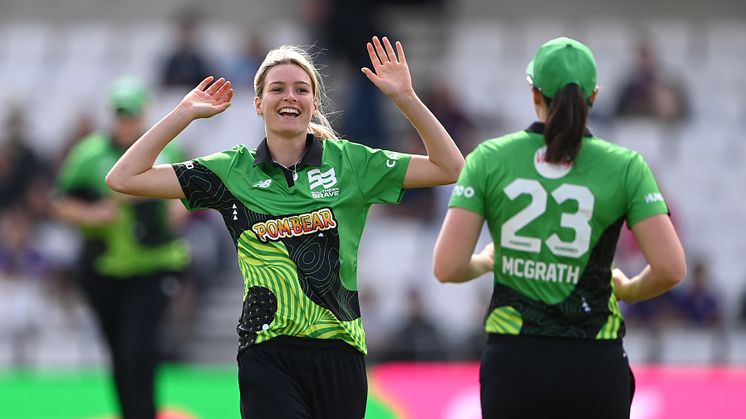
{"type": "Point", "coordinates": [405, 99]}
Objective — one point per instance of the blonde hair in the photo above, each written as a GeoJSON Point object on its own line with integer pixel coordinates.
{"type": "Point", "coordinates": [288, 54]}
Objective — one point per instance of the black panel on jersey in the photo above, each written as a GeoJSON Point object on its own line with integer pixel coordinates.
{"type": "Point", "coordinates": [317, 258]}
{"type": "Point", "coordinates": [586, 307]}
{"type": "Point", "coordinates": [205, 189]}
{"type": "Point", "coordinates": [315, 255]}
{"type": "Point", "coordinates": [259, 308]}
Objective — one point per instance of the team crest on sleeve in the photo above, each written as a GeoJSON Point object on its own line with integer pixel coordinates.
{"type": "Point", "coordinates": [321, 183]}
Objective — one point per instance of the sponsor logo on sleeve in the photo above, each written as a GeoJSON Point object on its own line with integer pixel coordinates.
{"type": "Point", "coordinates": [465, 191]}
{"type": "Point", "coordinates": [653, 197]}
{"type": "Point", "coordinates": [392, 158]}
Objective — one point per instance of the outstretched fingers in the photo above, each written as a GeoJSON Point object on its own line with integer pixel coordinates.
{"type": "Point", "coordinates": [400, 51]}
{"type": "Point", "coordinates": [373, 56]}
{"type": "Point", "coordinates": [389, 50]}
{"type": "Point", "coordinates": [215, 86]}
{"type": "Point", "coordinates": [223, 90]}
{"type": "Point", "coordinates": [385, 59]}
{"type": "Point", "coordinates": [204, 83]}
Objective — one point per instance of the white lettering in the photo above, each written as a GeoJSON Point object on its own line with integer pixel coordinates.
{"type": "Point", "coordinates": [529, 269]}
{"type": "Point", "coordinates": [540, 271]}
{"type": "Point", "coordinates": [518, 264]}
{"type": "Point", "coordinates": [573, 274]}
{"type": "Point", "coordinates": [552, 272]}
{"type": "Point", "coordinates": [653, 197]}
{"type": "Point", "coordinates": [508, 265]}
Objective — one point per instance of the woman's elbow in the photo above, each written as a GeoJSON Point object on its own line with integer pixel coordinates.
{"type": "Point", "coordinates": [114, 182]}
{"type": "Point", "coordinates": [678, 274]}
{"type": "Point", "coordinates": [455, 170]}
{"type": "Point", "coordinates": [672, 274]}
{"type": "Point", "coordinates": [444, 274]}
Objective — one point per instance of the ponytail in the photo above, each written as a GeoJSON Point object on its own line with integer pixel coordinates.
{"type": "Point", "coordinates": [565, 124]}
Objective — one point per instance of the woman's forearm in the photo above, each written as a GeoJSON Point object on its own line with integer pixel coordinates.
{"type": "Point", "coordinates": [141, 156]}
{"type": "Point", "coordinates": [648, 284]}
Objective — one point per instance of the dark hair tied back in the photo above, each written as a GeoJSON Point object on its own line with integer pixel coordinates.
{"type": "Point", "coordinates": [565, 124]}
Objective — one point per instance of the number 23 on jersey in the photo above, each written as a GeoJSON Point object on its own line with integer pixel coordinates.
{"type": "Point", "coordinates": [578, 221]}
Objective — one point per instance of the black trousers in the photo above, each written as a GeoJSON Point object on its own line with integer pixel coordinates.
{"type": "Point", "coordinates": [536, 377]}
{"type": "Point", "coordinates": [296, 378]}
{"type": "Point", "coordinates": [128, 312]}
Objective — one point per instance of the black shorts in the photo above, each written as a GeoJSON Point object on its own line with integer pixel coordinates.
{"type": "Point", "coordinates": [293, 378]}
{"type": "Point", "coordinates": [537, 377]}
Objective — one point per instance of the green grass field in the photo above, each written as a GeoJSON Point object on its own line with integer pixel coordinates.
{"type": "Point", "coordinates": [185, 392]}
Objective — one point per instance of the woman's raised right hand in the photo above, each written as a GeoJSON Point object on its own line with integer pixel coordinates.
{"type": "Point", "coordinates": [209, 98]}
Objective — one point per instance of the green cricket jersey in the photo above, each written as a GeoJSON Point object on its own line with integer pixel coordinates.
{"type": "Point", "coordinates": [555, 228]}
{"type": "Point", "coordinates": [296, 231]}
{"type": "Point", "coordinates": [139, 242]}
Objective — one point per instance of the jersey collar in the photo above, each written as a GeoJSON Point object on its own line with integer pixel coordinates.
{"type": "Point", "coordinates": [311, 158]}
{"type": "Point", "coordinates": [538, 128]}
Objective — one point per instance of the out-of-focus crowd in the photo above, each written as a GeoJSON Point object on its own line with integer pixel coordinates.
{"type": "Point", "coordinates": [45, 321]}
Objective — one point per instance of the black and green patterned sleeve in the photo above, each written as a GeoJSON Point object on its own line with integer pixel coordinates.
{"type": "Point", "coordinates": [203, 189]}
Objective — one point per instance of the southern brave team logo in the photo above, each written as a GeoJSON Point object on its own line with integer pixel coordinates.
{"type": "Point", "coordinates": [318, 178]}
{"type": "Point", "coordinates": [325, 180]}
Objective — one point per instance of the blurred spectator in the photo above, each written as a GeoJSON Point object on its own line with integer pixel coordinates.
{"type": "Point", "coordinates": [474, 341]}
{"type": "Point", "coordinates": [82, 124]}
{"type": "Point", "coordinates": [375, 329]}
{"type": "Point", "coordinates": [186, 65]}
{"type": "Point", "coordinates": [441, 100]}
{"type": "Point", "coordinates": [241, 67]}
{"type": "Point", "coordinates": [131, 256]}
{"type": "Point", "coordinates": [342, 29]}
{"type": "Point", "coordinates": [650, 92]}
{"type": "Point", "coordinates": [22, 269]}
{"type": "Point", "coordinates": [20, 166]}
{"type": "Point", "coordinates": [698, 303]}
{"type": "Point", "coordinates": [417, 338]}
{"type": "Point", "coordinates": [18, 256]}
{"type": "Point", "coordinates": [742, 309]}
{"type": "Point", "coordinates": [417, 204]}
{"type": "Point", "coordinates": [651, 317]}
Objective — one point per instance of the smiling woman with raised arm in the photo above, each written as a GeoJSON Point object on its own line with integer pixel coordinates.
{"type": "Point", "coordinates": [295, 207]}
{"type": "Point", "coordinates": [555, 198]}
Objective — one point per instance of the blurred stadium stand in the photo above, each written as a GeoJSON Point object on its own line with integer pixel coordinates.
{"type": "Point", "coordinates": [57, 59]}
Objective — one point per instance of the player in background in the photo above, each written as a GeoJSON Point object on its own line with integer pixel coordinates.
{"type": "Point", "coordinates": [295, 207]}
{"type": "Point", "coordinates": [555, 198]}
{"type": "Point", "coordinates": [131, 255]}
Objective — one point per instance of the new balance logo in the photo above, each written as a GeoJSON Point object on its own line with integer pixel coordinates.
{"type": "Point", "coordinates": [318, 178]}
{"type": "Point", "coordinates": [263, 184]}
